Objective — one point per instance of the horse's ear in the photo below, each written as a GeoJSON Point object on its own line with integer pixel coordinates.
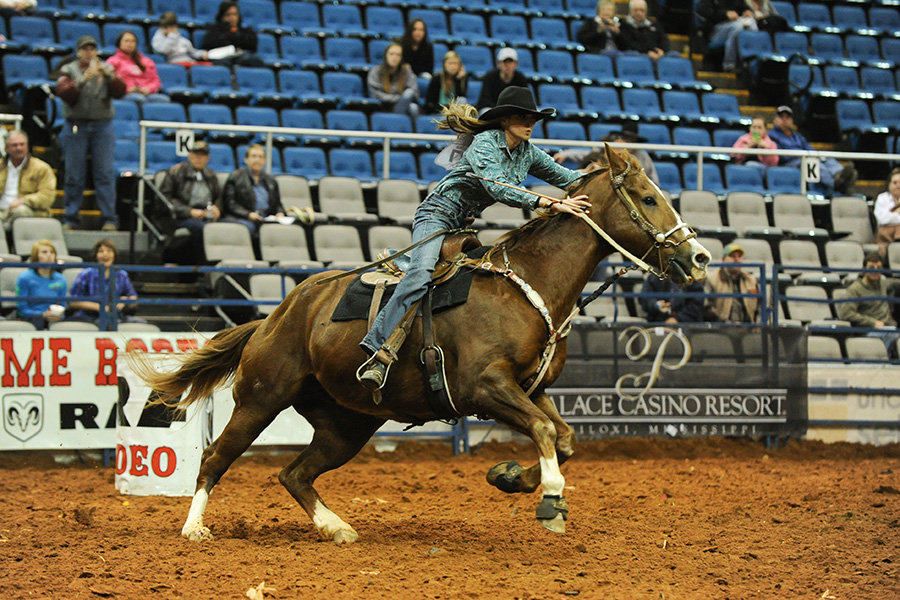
{"type": "Point", "coordinates": [617, 163]}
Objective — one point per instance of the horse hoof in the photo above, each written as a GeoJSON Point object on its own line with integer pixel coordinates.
{"type": "Point", "coordinates": [344, 537]}
{"type": "Point", "coordinates": [198, 535]}
{"type": "Point", "coordinates": [557, 524]}
{"type": "Point", "coordinates": [505, 476]}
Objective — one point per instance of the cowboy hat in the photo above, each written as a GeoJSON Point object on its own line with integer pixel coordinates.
{"type": "Point", "coordinates": [515, 100]}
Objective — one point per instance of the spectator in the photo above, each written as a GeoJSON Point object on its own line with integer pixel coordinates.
{"type": "Point", "coordinates": [833, 177]}
{"type": "Point", "coordinates": [229, 31]}
{"type": "Point", "coordinates": [497, 80]}
{"type": "Point", "coordinates": [136, 70]}
{"type": "Point", "coordinates": [732, 280]}
{"type": "Point", "coordinates": [87, 87]}
{"type": "Point", "coordinates": [887, 214]}
{"type": "Point", "coordinates": [756, 138]}
{"type": "Point", "coordinates": [675, 307]}
{"type": "Point", "coordinates": [452, 83]}
{"type": "Point", "coordinates": [724, 20]}
{"type": "Point", "coordinates": [250, 194]}
{"type": "Point", "coordinates": [871, 309]}
{"type": "Point", "coordinates": [28, 184]}
{"type": "Point", "coordinates": [176, 48]}
{"type": "Point", "coordinates": [14, 8]}
{"type": "Point", "coordinates": [601, 33]}
{"type": "Point", "coordinates": [394, 84]}
{"type": "Point", "coordinates": [194, 191]}
{"type": "Point", "coordinates": [117, 285]}
{"type": "Point", "coordinates": [627, 135]}
{"type": "Point", "coordinates": [418, 52]}
{"type": "Point", "coordinates": [38, 285]}
{"type": "Point", "coordinates": [640, 34]}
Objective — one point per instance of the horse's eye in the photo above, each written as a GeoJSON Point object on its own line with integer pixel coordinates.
{"type": "Point", "coordinates": [649, 200]}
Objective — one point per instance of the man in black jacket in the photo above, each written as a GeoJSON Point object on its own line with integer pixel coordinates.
{"type": "Point", "coordinates": [250, 194]}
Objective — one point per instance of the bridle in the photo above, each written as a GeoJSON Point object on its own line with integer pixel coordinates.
{"type": "Point", "coordinates": [659, 238]}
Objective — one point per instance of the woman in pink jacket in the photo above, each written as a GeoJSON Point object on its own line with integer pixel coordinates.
{"type": "Point", "coordinates": [136, 70]}
{"type": "Point", "coordinates": [756, 138]}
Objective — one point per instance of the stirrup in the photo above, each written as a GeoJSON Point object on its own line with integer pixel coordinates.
{"type": "Point", "coordinates": [373, 373]}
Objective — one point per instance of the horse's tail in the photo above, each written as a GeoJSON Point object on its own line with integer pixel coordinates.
{"type": "Point", "coordinates": [203, 370]}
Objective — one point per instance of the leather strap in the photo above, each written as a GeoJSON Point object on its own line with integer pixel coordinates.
{"type": "Point", "coordinates": [377, 295]}
{"type": "Point", "coordinates": [432, 358]}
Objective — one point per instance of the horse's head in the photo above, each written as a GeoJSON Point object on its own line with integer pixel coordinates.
{"type": "Point", "coordinates": [633, 210]}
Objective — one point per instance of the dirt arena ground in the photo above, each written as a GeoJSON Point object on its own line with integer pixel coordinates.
{"type": "Point", "coordinates": [649, 519]}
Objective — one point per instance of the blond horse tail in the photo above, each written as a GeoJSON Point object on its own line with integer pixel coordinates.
{"type": "Point", "coordinates": [202, 370]}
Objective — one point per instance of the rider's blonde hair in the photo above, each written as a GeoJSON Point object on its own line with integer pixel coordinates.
{"type": "Point", "coordinates": [463, 119]}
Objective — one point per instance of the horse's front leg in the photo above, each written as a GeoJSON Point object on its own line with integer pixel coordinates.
{"type": "Point", "coordinates": [503, 399]}
{"type": "Point", "coordinates": [512, 478]}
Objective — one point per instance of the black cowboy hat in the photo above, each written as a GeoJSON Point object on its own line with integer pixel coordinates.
{"type": "Point", "coordinates": [516, 100]}
{"type": "Point", "coordinates": [628, 133]}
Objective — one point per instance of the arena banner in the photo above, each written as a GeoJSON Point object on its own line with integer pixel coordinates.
{"type": "Point", "coordinates": [685, 382]}
{"type": "Point", "coordinates": [59, 390]}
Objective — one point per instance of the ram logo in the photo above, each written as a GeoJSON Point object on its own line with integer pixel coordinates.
{"type": "Point", "coordinates": [23, 415]}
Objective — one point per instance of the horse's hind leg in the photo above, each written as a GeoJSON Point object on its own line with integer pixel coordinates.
{"type": "Point", "coordinates": [247, 422]}
{"type": "Point", "coordinates": [339, 435]}
{"type": "Point", "coordinates": [511, 478]}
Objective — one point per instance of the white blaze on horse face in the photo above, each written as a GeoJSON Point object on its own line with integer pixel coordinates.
{"type": "Point", "coordinates": [193, 527]}
{"type": "Point", "coordinates": [552, 480]}
{"type": "Point", "coordinates": [699, 261]}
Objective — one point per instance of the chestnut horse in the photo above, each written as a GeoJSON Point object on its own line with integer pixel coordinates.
{"type": "Point", "coordinates": [298, 357]}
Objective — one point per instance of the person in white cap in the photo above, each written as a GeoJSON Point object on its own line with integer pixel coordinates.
{"type": "Point", "coordinates": [497, 80]}
{"type": "Point", "coordinates": [732, 279]}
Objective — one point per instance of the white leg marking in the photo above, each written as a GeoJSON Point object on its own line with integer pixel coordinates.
{"type": "Point", "coordinates": [193, 527]}
{"type": "Point", "coordinates": [331, 526]}
{"type": "Point", "coordinates": [552, 481]}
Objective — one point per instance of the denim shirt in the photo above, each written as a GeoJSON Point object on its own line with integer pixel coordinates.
{"type": "Point", "coordinates": [488, 156]}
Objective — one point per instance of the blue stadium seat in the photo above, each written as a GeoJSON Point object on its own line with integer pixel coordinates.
{"type": "Point", "coordinates": [303, 51]}
{"type": "Point", "coordinates": [598, 131]}
{"type": "Point", "coordinates": [397, 123]}
{"type": "Point", "coordinates": [712, 178]}
{"type": "Point", "coordinates": [111, 32]}
{"type": "Point", "coordinates": [221, 158]}
{"type": "Point", "coordinates": [848, 17]}
{"type": "Point", "coordinates": [306, 118]}
{"type": "Point", "coordinates": [512, 29]}
{"type": "Point", "coordinates": [565, 130]}
{"type": "Point", "coordinates": [217, 114]}
{"type": "Point", "coordinates": [641, 102]}
{"type": "Point", "coordinates": [816, 16]}
{"type": "Point", "coordinates": [597, 68]}
{"type": "Point", "coordinates": [305, 18]}
{"type": "Point", "coordinates": [127, 159]}
{"type": "Point", "coordinates": [215, 81]}
{"type": "Point", "coordinates": [604, 100]}
{"type": "Point", "coordinates": [305, 86]}
{"type": "Point", "coordinates": [260, 82]}
{"type": "Point", "coordinates": [346, 54]}
{"type": "Point", "coordinates": [884, 18]}
{"type": "Point", "coordinates": [348, 87]}
{"type": "Point", "coordinates": [205, 10]}
{"type": "Point", "coordinates": [584, 8]}
{"type": "Point", "coordinates": [786, 10]}
{"type": "Point", "coordinates": [351, 120]}
{"type": "Point", "coordinates": [135, 13]}
{"type": "Point", "coordinates": [863, 49]}
{"type": "Point", "coordinates": [307, 162]}
{"type": "Point", "coordinates": [783, 180]}
{"type": "Point", "coordinates": [679, 73]}
{"type": "Point", "coordinates": [752, 46]}
{"type": "Point", "coordinates": [557, 65]}
{"type": "Point", "coordinates": [403, 166]}
{"type": "Point", "coordinates": [853, 114]}
{"type": "Point", "coordinates": [690, 136]}
{"type": "Point", "coordinates": [843, 80]}
{"type": "Point", "coordinates": [428, 170]}
{"type": "Point", "coordinates": [827, 47]}
{"type": "Point", "coordinates": [565, 99]}
{"type": "Point", "coordinates": [636, 69]}
{"type": "Point", "coordinates": [267, 50]}
{"type": "Point", "coordinates": [890, 50]}
{"type": "Point", "coordinates": [725, 107]}
{"type": "Point", "coordinates": [352, 162]}
{"type": "Point", "coordinates": [24, 71]}
{"type": "Point", "coordinates": [879, 82]}
{"type": "Point", "coordinates": [684, 107]}
{"type": "Point", "coordinates": [160, 156]}
{"type": "Point", "coordinates": [669, 177]}
{"type": "Point", "coordinates": [554, 33]}
{"type": "Point", "coordinates": [183, 8]}
{"type": "Point", "coordinates": [258, 116]}
{"type": "Point", "coordinates": [68, 31]}
{"type": "Point", "coordinates": [174, 80]}
{"type": "Point", "coordinates": [164, 111]}
{"type": "Point", "coordinates": [387, 20]}
{"type": "Point", "coordinates": [742, 178]}
{"type": "Point", "coordinates": [725, 138]}
{"type": "Point", "coordinates": [346, 19]}
{"type": "Point", "coordinates": [552, 8]}
{"type": "Point", "coordinates": [886, 112]}
{"type": "Point", "coordinates": [469, 27]}
{"type": "Point", "coordinates": [477, 59]}
{"type": "Point", "coordinates": [789, 43]}
{"type": "Point", "coordinates": [262, 16]}
{"type": "Point", "coordinates": [37, 33]}
{"type": "Point", "coordinates": [435, 23]}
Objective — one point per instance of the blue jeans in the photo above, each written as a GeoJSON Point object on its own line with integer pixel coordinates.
{"type": "Point", "coordinates": [97, 138]}
{"type": "Point", "coordinates": [429, 219]}
{"type": "Point", "coordinates": [726, 33]}
{"type": "Point", "coordinates": [141, 98]}
{"type": "Point", "coordinates": [407, 105]}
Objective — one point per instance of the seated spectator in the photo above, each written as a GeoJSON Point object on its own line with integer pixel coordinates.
{"type": "Point", "coordinates": [28, 184]}
{"type": "Point", "coordinates": [725, 19]}
{"type": "Point", "coordinates": [869, 309]}
{"type": "Point", "coordinates": [136, 70]}
{"type": "Point", "coordinates": [732, 280]}
{"type": "Point", "coordinates": [756, 138]}
{"type": "Point", "coordinates": [394, 84]}
{"type": "Point", "coordinates": [118, 285]}
{"type": "Point", "coordinates": [628, 134]}
{"type": "Point", "coordinates": [676, 307]}
{"type": "Point", "coordinates": [194, 191]}
{"type": "Point", "coordinates": [497, 80]}
{"type": "Point", "coordinates": [36, 286]}
{"type": "Point", "coordinates": [175, 47]}
{"type": "Point", "coordinates": [418, 52]}
{"type": "Point", "coordinates": [452, 83]}
{"type": "Point", "coordinates": [887, 214]}
{"type": "Point", "coordinates": [833, 177]}
{"type": "Point", "coordinates": [250, 194]}
{"type": "Point", "coordinates": [17, 8]}
{"type": "Point", "coordinates": [601, 32]}
{"type": "Point", "coordinates": [642, 35]}
{"type": "Point", "coordinates": [227, 30]}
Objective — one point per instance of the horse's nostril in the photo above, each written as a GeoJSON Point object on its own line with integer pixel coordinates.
{"type": "Point", "coordinates": [702, 259]}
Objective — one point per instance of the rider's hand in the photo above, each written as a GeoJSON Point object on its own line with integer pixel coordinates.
{"type": "Point", "coordinates": [573, 206]}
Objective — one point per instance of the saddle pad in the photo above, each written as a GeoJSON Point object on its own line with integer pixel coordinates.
{"type": "Point", "coordinates": [358, 298]}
